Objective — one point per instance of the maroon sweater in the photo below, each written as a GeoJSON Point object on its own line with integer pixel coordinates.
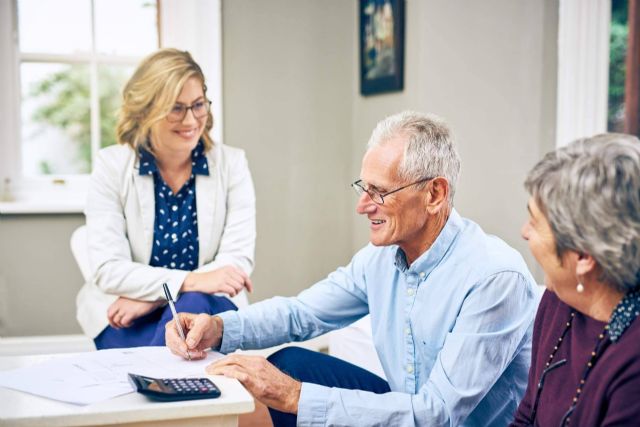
{"type": "Point", "coordinates": [611, 394]}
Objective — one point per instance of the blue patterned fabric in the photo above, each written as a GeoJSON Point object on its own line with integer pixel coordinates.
{"type": "Point", "coordinates": [175, 246]}
{"type": "Point", "coordinates": [624, 314]}
{"type": "Point", "coordinates": [175, 231]}
{"type": "Point", "coordinates": [149, 330]}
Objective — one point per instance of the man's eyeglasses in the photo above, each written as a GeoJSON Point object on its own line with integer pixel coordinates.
{"type": "Point", "coordinates": [360, 187]}
{"type": "Point", "coordinates": [199, 109]}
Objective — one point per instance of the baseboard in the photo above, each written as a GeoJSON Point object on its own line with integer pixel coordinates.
{"type": "Point", "coordinates": [49, 344]}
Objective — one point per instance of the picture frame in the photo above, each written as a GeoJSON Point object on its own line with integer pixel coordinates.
{"type": "Point", "coordinates": [381, 46]}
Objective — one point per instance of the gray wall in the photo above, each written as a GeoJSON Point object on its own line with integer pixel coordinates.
{"type": "Point", "coordinates": [39, 278]}
{"type": "Point", "coordinates": [489, 69]}
{"type": "Point", "coordinates": [288, 84]}
{"type": "Point", "coordinates": [291, 101]}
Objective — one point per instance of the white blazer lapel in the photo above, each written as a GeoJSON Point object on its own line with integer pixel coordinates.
{"type": "Point", "coordinates": [205, 204]}
{"type": "Point", "coordinates": [147, 201]}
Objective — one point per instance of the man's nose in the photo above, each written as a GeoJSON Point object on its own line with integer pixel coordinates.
{"type": "Point", "coordinates": [524, 231]}
{"type": "Point", "coordinates": [365, 205]}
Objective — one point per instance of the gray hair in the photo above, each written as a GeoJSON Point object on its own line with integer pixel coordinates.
{"type": "Point", "coordinates": [430, 150]}
{"type": "Point", "coordinates": [589, 191]}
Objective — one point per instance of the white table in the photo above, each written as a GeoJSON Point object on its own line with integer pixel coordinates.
{"type": "Point", "coordinates": [22, 409]}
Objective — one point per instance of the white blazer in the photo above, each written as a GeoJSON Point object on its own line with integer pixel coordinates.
{"type": "Point", "coordinates": [120, 214]}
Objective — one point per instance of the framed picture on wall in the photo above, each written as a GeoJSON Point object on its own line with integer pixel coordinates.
{"type": "Point", "coordinates": [381, 46]}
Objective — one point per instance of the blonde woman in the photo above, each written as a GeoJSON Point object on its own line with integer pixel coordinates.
{"type": "Point", "coordinates": [166, 205]}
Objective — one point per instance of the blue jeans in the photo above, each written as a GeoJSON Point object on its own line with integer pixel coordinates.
{"type": "Point", "coordinates": [318, 368]}
{"type": "Point", "coordinates": [149, 330]}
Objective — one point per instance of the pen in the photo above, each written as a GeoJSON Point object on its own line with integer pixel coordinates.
{"type": "Point", "coordinates": [175, 315]}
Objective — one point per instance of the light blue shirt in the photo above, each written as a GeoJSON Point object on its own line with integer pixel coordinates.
{"type": "Point", "coordinates": [452, 331]}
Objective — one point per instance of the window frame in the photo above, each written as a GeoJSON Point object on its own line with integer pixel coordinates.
{"type": "Point", "coordinates": [632, 78]}
{"type": "Point", "coordinates": [185, 24]}
{"type": "Point", "coordinates": [583, 69]}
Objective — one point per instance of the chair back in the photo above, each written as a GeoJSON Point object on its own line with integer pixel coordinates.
{"type": "Point", "coordinates": [80, 250]}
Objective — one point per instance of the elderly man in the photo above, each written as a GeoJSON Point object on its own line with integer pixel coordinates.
{"type": "Point", "coordinates": [451, 307]}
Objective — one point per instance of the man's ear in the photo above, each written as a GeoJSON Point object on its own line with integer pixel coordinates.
{"type": "Point", "coordinates": [585, 264]}
{"type": "Point", "coordinates": [438, 194]}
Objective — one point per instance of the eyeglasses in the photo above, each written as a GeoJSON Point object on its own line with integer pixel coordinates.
{"type": "Point", "coordinates": [199, 109]}
{"type": "Point", "coordinates": [360, 187]}
{"type": "Point", "coordinates": [534, 410]}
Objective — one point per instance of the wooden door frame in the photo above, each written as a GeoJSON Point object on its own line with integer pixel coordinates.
{"type": "Point", "coordinates": [632, 78]}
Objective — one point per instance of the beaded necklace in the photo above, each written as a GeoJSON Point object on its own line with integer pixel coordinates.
{"type": "Point", "coordinates": [585, 374]}
{"type": "Point", "coordinates": [625, 312]}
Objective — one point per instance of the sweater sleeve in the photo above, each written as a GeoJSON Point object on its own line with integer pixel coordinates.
{"type": "Point", "coordinates": [523, 413]}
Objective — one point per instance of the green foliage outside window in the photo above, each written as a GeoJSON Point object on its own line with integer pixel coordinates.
{"type": "Point", "coordinates": [617, 66]}
{"type": "Point", "coordinates": [67, 108]}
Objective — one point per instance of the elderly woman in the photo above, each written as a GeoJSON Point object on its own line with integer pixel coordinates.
{"type": "Point", "coordinates": [166, 205]}
{"type": "Point", "coordinates": [584, 230]}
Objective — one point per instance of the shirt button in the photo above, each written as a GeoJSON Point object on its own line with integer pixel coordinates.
{"type": "Point", "coordinates": [422, 274]}
{"type": "Point", "coordinates": [407, 331]}
{"type": "Point", "coordinates": [410, 368]}
{"type": "Point", "coordinates": [174, 236]}
{"type": "Point", "coordinates": [410, 291]}
{"type": "Point", "coordinates": [174, 208]}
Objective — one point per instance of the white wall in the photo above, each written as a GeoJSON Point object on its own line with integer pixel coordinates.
{"type": "Point", "coordinates": [288, 85]}
{"type": "Point", "coordinates": [489, 69]}
{"type": "Point", "coordinates": [291, 101]}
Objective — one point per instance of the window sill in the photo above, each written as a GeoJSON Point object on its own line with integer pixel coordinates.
{"type": "Point", "coordinates": [29, 207]}
{"type": "Point", "coordinates": [49, 195]}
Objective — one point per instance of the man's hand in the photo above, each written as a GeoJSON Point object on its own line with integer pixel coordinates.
{"type": "Point", "coordinates": [228, 279]}
{"type": "Point", "coordinates": [263, 380]}
{"type": "Point", "coordinates": [201, 332]}
{"type": "Point", "coordinates": [124, 311]}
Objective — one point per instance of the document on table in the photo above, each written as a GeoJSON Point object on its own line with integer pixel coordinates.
{"type": "Point", "coordinates": [85, 378]}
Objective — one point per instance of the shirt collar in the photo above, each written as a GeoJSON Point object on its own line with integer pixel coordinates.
{"type": "Point", "coordinates": [432, 256]}
{"type": "Point", "coordinates": [199, 163]}
{"type": "Point", "coordinates": [148, 164]}
{"type": "Point", "coordinates": [624, 314]}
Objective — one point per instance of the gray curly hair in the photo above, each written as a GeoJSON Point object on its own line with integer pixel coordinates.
{"type": "Point", "coordinates": [430, 150]}
{"type": "Point", "coordinates": [589, 191]}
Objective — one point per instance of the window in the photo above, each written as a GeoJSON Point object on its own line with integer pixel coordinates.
{"type": "Point", "coordinates": [598, 68]}
{"type": "Point", "coordinates": [583, 59]}
{"type": "Point", "coordinates": [624, 67]}
{"type": "Point", "coordinates": [74, 57]}
{"type": "Point", "coordinates": [619, 34]}
{"type": "Point", "coordinates": [62, 66]}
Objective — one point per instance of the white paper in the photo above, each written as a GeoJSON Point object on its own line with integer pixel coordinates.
{"type": "Point", "coordinates": [86, 378]}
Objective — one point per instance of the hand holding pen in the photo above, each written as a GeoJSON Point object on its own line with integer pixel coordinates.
{"type": "Point", "coordinates": [203, 332]}
{"type": "Point", "coordinates": [176, 318]}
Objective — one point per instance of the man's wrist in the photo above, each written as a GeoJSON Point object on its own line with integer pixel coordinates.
{"type": "Point", "coordinates": [295, 398]}
{"type": "Point", "coordinates": [218, 331]}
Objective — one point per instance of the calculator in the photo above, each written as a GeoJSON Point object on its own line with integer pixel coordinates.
{"type": "Point", "coordinates": [173, 389]}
